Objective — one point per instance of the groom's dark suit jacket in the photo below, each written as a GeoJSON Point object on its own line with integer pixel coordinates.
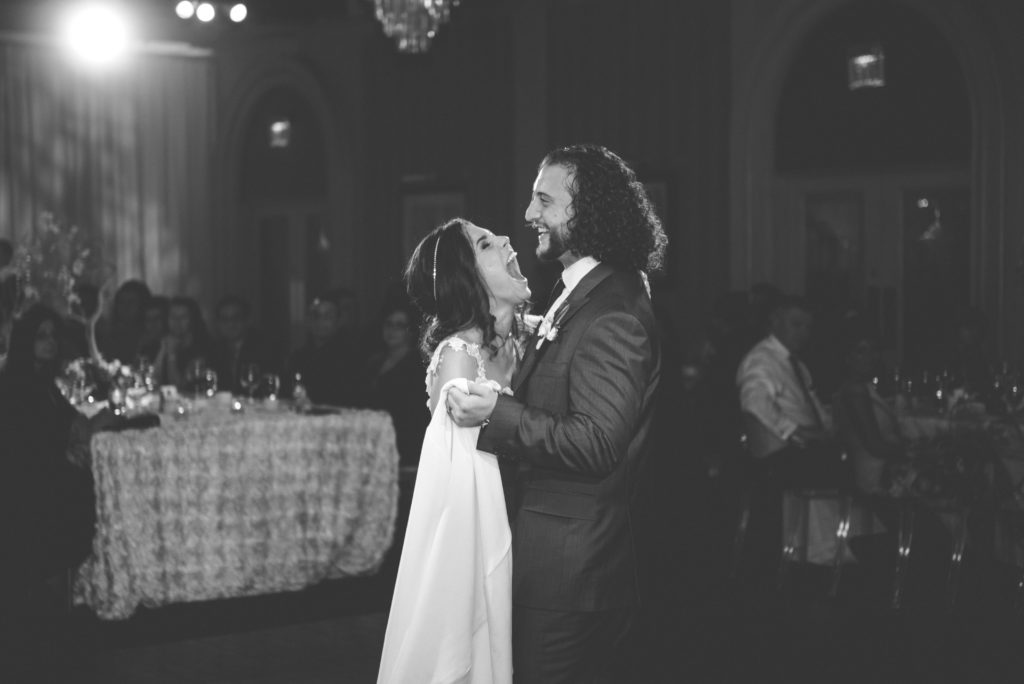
{"type": "Point", "coordinates": [580, 417]}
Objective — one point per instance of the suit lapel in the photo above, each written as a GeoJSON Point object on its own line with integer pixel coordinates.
{"type": "Point", "coordinates": [570, 307]}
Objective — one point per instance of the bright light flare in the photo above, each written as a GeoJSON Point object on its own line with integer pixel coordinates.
{"type": "Point", "coordinates": [185, 9]}
{"type": "Point", "coordinates": [96, 33]}
{"type": "Point", "coordinates": [205, 12]}
{"type": "Point", "coordinates": [238, 13]}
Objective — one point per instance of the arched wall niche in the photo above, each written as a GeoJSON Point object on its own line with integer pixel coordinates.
{"type": "Point", "coordinates": [262, 77]}
{"type": "Point", "coordinates": [766, 37]}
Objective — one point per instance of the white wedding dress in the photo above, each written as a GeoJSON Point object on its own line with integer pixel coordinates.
{"type": "Point", "coordinates": [451, 614]}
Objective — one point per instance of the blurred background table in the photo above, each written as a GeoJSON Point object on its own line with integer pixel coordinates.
{"type": "Point", "coordinates": [220, 504]}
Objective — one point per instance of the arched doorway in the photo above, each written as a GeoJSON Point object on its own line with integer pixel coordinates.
{"type": "Point", "coordinates": [767, 42]}
{"type": "Point", "coordinates": [872, 183]}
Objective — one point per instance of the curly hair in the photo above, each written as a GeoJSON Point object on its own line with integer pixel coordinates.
{"type": "Point", "coordinates": [613, 219]}
{"type": "Point", "coordinates": [458, 299]}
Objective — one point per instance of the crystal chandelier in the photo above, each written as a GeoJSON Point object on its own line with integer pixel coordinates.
{"type": "Point", "coordinates": [413, 23]}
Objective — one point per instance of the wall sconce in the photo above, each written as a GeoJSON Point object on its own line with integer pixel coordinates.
{"type": "Point", "coordinates": [865, 67]}
{"type": "Point", "coordinates": [280, 133]}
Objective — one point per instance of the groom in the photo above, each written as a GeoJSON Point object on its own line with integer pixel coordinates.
{"type": "Point", "coordinates": [580, 419]}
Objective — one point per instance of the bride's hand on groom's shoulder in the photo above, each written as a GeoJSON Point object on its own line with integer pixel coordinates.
{"type": "Point", "coordinates": [469, 409]}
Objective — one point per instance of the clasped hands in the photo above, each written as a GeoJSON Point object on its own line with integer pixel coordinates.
{"type": "Point", "coordinates": [469, 409]}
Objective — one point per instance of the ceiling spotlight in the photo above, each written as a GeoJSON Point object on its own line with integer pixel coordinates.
{"type": "Point", "coordinates": [238, 13]}
{"type": "Point", "coordinates": [205, 12]}
{"type": "Point", "coordinates": [96, 34]}
{"type": "Point", "coordinates": [185, 9]}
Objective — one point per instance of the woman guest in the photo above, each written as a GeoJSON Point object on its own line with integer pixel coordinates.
{"type": "Point", "coordinates": [154, 328]}
{"type": "Point", "coordinates": [866, 423]}
{"type": "Point", "coordinates": [185, 345]}
{"type": "Point", "coordinates": [47, 505]}
{"type": "Point", "coordinates": [118, 337]}
{"type": "Point", "coordinates": [393, 379]}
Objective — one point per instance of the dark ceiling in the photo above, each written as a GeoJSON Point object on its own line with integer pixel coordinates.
{"type": "Point", "coordinates": [158, 21]}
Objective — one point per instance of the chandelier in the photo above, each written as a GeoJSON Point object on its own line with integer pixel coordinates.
{"type": "Point", "coordinates": [413, 23]}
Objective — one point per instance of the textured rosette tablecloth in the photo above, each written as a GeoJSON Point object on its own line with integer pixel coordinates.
{"type": "Point", "coordinates": [225, 505]}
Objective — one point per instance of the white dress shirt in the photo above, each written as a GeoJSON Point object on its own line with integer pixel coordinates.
{"type": "Point", "coordinates": [770, 390]}
{"type": "Point", "coordinates": [571, 276]}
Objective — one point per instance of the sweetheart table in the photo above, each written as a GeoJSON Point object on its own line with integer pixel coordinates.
{"type": "Point", "coordinates": [221, 504]}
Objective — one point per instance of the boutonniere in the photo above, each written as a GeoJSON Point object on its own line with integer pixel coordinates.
{"type": "Point", "coordinates": [548, 329]}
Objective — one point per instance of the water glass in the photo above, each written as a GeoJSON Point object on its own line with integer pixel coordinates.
{"type": "Point", "coordinates": [209, 382]}
{"type": "Point", "coordinates": [249, 379]}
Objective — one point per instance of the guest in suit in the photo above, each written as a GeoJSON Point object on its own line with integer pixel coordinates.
{"type": "Point", "coordinates": [580, 419]}
{"type": "Point", "coordinates": [327, 361]}
{"type": "Point", "coordinates": [237, 344]}
{"type": "Point", "coordinates": [393, 380]}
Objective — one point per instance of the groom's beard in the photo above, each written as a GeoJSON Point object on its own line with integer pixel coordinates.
{"type": "Point", "coordinates": [556, 239]}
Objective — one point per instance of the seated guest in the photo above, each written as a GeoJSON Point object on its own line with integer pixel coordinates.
{"type": "Point", "coordinates": [393, 380]}
{"type": "Point", "coordinates": [866, 424]}
{"type": "Point", "coordinates": [236, 345]}
{"type": "Point", "coordinates": [185, 345]}
{"type": "Point", "coordinates": [118, 336]}
{"type": "Point", "coordinates": [154, 327]}
{"type": "Point", "coordinates": [326, 362]}
{"type": "Point", "coordinates": [47, 505]}
{"type": "Point", "coordinates": [786, 426]}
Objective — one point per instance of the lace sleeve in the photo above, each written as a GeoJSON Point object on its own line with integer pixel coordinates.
{"type": "Point", "coordinates": [458, 344]}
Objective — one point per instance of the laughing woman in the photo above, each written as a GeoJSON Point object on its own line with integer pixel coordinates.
{"type": "Point", "coordinates": [451, 615]}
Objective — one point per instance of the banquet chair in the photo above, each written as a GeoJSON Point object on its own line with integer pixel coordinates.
{"type": "Point", "coordinates": [1009, 548]}
{"type": "Point", "coordinates": [798, 508]}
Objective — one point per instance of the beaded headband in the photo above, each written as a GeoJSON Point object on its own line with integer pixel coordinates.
{"type": "Point", "coordinates": [437, 243]}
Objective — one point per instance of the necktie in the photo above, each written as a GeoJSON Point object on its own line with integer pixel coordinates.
{"type": "Point", "coordinates": [555, 292]}
{"type": "Point", "coordinates": [798, 372]}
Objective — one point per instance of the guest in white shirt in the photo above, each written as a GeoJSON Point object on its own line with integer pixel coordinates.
{"type": "Point", "coordinates": [784, 420]}
{"type": "Point", "coordinates": [788, 430]}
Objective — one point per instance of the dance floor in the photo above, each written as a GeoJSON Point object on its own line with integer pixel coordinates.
{"type": "Point", "coordinates": [333, 633]}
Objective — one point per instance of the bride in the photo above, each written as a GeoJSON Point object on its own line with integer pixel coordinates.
{"type": "Point", "coordinates": [451, 614]}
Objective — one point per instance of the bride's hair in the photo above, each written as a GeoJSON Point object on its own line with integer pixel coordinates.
{"type": "Point", "coordinates": [443, 282]}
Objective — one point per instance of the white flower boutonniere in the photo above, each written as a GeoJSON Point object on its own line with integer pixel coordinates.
{"type": "Point", "coordinates": [548, 329]}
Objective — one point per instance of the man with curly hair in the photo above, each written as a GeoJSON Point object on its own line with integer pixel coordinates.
{"type": "Point", "coordinates": [579, 420]}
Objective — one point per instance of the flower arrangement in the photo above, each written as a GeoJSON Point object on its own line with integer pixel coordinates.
{"type": "Point", "coordinates": [951, 466]}
{"type": "Point", "coordinates": [50, 267]}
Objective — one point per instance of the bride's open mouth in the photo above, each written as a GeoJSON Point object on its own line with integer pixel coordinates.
{"type": "Point", "coordinates": [512, 266]}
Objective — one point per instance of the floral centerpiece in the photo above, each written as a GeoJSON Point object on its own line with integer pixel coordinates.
{"type": "Point", "coordinates": [52, 268]}
{"type": "Point", "coordinates": [949, 467]}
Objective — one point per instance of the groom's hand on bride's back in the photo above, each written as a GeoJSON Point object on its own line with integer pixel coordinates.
{"type": "Point", "coordinates": [472, 408]}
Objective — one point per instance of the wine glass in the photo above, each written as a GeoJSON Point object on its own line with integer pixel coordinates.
{"type": "Point", "coordinates": [194, 376]}
{"type": "Point", "coordinates": [271, 385]}
{"type": "Point", "coordinates": [249, 379]}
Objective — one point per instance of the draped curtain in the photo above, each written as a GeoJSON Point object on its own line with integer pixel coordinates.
{"type": "Point", "coordinates": [125, 155]}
